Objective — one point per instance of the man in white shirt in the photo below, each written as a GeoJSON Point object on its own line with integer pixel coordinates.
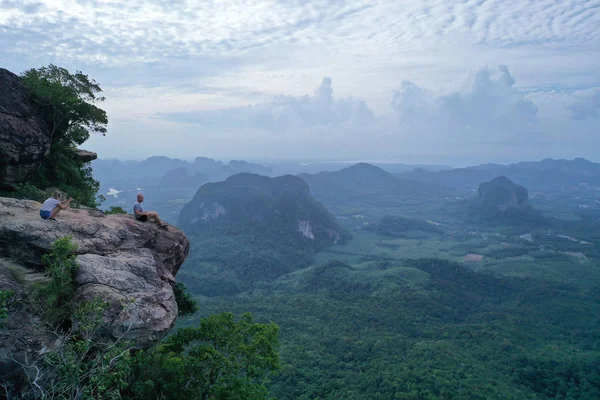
{"type": "Point", "coordinates": [53, 205]}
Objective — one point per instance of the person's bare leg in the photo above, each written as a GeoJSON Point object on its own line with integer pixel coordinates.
{"type": "Point", "coordinates": [154, 215]}
{"type": "Point", "coordinates": [55, 212]}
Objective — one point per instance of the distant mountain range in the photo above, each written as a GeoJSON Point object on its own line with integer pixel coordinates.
{"type": "Point", "coordinates": [368, 183]}
{"type": "Point", "coordinates": [250, 228]}
{"type": "Point", "coordinates": [538, 175]}
{"type": "Point", "coordinates": [165, 172]}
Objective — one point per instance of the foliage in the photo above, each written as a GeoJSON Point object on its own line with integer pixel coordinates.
{"type": "Point", "coordinates": [396, 226]}
{"type": "Point", "coordinates": [5, 299]}
{"type": "Point", "coordinates": [219, 359]}
{"type": "Point", "coordinates": [26, 191]}
{"type": "Point", "coordinates": [115, 210]}
{"type": "Point", "coordinates": [426, 329]}
{"type": "Point", "coordinates": [61, 266]}
{"type": "Point", "coordinates": [186, 304]}
{"type": "Point", "coordinates": [79, 366]}
{"type": "Point", "coordinates": [68, 105]}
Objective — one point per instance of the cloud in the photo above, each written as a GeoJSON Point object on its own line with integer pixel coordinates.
{"type": "Point", "coordinates": [488, 114]}
{"type": "Point", "coordinates": [587, 104]}
{"type": "Point", "coordinates": [489, 110]}
{"type": "Point", "coordinates": [187, 66]}
{"type": "Point", "coordinates": [285, 113]}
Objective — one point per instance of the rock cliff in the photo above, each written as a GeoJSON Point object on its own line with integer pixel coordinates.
{"type": "Point", "coordinates": [24, 136]}
{"type": "Point", "coordinates": [127, 263]}
{"type": "Point", "coordinates": [501, 194]}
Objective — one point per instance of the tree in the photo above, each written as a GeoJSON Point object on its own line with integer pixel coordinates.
{"type": "Point", "coordinates": [219, 359]}
{"type": "Point", "coordinates": [68, 106]}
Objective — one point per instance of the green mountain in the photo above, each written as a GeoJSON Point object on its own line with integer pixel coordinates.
{"type": "Point", "coordinates": [366, 183]}
{"type": "Point", "coordinates": [250, 228]}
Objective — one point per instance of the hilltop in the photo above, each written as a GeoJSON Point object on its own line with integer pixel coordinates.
{"type": "Point", "coordinates": [250, 228]}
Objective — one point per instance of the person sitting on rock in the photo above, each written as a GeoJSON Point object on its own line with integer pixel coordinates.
{"type": "Point", "coordinates": [141, 215]}
{"type": "Point", "coordinates": [53, 205]}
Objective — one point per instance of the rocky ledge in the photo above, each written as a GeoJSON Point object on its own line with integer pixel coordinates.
{"type": "Point", "coordinates": [127, 263]}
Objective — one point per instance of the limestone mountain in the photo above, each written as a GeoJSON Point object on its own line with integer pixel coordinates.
{"type": "Point", "coordinates": [500, 194]}
{"type": "Point", "coordinates": [502, 201]}
{"type": "Point", "coordinates": [250, 228]}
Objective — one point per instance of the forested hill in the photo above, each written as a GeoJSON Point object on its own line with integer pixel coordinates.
{"type": "Point", "coordinates": [250, 228]}
{"type": "Point", "coordinates": [366, 182]}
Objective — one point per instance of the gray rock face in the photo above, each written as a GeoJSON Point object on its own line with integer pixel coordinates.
{"type": "Point", "coordinates": [24, 136]}
{"type": "Point", "coordinates": [127, 263]}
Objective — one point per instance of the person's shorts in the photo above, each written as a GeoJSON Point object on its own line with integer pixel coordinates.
{"type": "Point", "coordinates": [142, 218]}
{"type": "Point", "coordinates": [44, 214]}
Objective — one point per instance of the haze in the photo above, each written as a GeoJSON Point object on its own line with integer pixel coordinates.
{"type": "Point", "coordinates": [410, 81]}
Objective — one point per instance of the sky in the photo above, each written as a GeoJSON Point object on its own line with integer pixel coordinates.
{"type": "Point", "coordinates": [415, 81]}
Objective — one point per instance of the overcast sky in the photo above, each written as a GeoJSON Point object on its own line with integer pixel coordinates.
{"type": "Point", "coordinates": [406, 80]}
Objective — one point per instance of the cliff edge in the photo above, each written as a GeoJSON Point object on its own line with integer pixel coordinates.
{"type": "Point", "coordinates": [129, 264]}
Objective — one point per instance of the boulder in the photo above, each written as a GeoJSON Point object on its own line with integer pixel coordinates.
{"type": "Point", "coordinates": [129, 264]}
{"type": "Point", "coordinates": [84, 156]}
{"type": "Point", "coordinates": [24, 136]}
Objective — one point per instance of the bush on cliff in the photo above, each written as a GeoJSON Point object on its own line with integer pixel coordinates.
{"type": "Point", "coordinates": [68, 106]}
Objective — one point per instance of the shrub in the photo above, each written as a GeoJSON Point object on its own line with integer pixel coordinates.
{"type": "Point", "coordinates": [56, 297]}
{"type": "Point", "coordinates": [115, 210]}
{"type": "Point", "coordinates": [185, 302]}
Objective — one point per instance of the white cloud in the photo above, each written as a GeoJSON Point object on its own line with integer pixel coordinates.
{"type": "Point", "coordinates": [488, 110]}
{"type": "Point", "coordinates": [587, 104]}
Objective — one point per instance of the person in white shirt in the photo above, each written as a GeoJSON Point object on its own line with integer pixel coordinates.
{"type": "Point", "coordinates": [53, 205]}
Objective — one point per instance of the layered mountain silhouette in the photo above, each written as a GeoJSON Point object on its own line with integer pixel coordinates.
{"type": "Point", "coordinates": [366, 182]}
{"type": "Point", "coordinates": [538, 175]}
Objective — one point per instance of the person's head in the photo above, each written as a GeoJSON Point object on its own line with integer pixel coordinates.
{"type": "Point", "coordinates": [58, 195]}
{"type": "Point", "coordinates": [140, 197]}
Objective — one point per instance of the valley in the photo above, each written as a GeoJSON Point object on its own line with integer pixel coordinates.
{"type": "Point", "coordinates": [428, 291]}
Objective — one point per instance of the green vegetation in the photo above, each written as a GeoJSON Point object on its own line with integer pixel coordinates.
{"type": "Point", "coordinates": [56, 297]}
{"type": "Point", "coordinates": [80, 367]}
{"type": "Point", "coordinates": [26, 191]}
{"type": "Point", "coordinates": [5, 299]}
{"type": "Point", "coordinates": [68, 105]}
{"type": "Point", "coordinates": [219, 359]}
{"type": "Point", "coordinates": [115, 210]}
{"type": "Point", "coordinates": [426, 329]}
{"type": "Point", "coordinates": [186, 305]}
{"type": "Point", "coordinates": [395, 226]}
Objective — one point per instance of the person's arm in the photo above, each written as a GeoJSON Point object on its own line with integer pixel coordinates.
{"type": "Point", "coordinates": [65, 204]}
{"type": "Point", "coordinates": [139, 213]}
